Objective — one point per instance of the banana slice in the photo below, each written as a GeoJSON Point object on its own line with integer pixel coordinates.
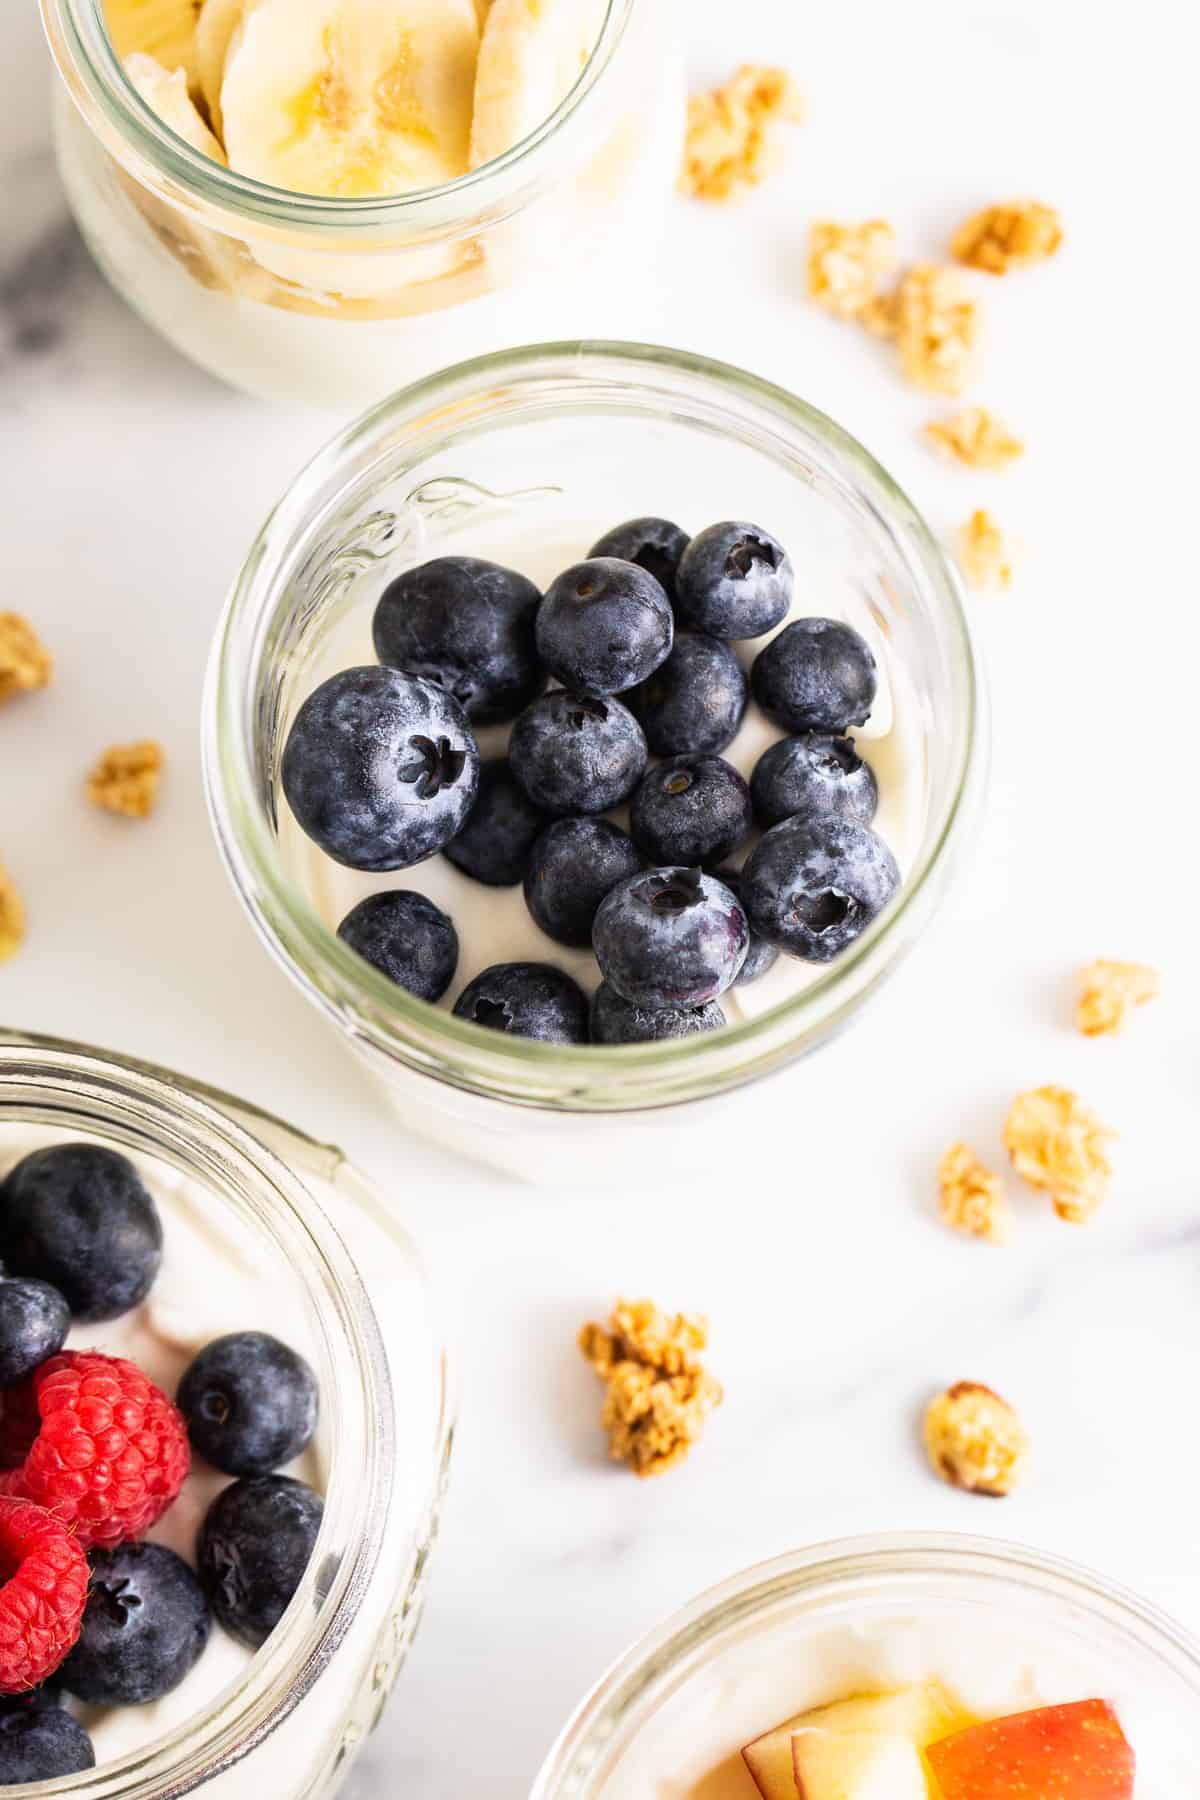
{"type": "Point", "coordinates": [215, 262]}
{"type": "Point", "coordinates": [218, 21]}
{"type": "Point", "coordinates": [163, 29]}
{"type": "Point", "coordinates": [166, 90]}
{"type": "Point", "coordinates": [530, 57]}
{"type": "Point", "coordinates": [351, 98]}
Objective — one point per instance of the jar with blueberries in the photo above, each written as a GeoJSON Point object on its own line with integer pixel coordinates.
{"type": "Point", "coordinates": [683, 708]}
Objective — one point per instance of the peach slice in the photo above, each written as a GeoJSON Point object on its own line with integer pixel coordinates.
{"type": "Point", "coordinates": [919, 1714]}
{"type": "Point", "coordinates": [1076, 1752]}
{"type": "Point", "coordinates": [856, 1765]}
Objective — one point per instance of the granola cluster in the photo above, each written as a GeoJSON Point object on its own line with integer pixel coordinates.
{"type": "Point", "coordinates": [1108, 991]}
{"type": "Point", "coordinates": [986, 553]}
{"type": "Point", "coordinates": [1002, 237]}
{"type": "Point", "coordinates": [970, 1197]}
{"type": "Point", "coordinates": [12, 917]}
{"type": "Point", "coordinates": [25, 663]}
{"type": "Point", "coordinates": [936, 325]}
{"type": "Point", "coordinates": [975, 1440]}
{"type": "Point", "coordinates": [658, 1394]}
{"type": "Point", "coordinates": [731, 132]}
{"type": "Point", "coordinates": [976, 438]}
{"type": "Point", "coordinates": [848, 263]}
{"type": "Point", "coordinates": [125, 780]}
{"type": "Point", "coordinates": [1058, 1145]}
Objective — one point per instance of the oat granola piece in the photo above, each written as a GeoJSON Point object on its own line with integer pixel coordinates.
{"type": "Point", "coordinates": [986, 553]}
{"type": "Point", "coordinates": [970, 1196]}
{"type": "Point", "coordinates": [731, 132]}
{"type": "Point", "coordinates": [975, 437]}
{"type": "Point", "coordinates": [25, 663]}
{"type": "Point", "coordinates": [658, 1394]}
{"type": "Point", "coordinates": [847, 263]}
{"type": "Point", "coordinates": [936, 325]}
{"type": "Point", "coordinates": [975, 1440]}
{"type": "Point", "coordinates": [1002, 237]}
{"type": "Point", "coordinates": [1110, 990]}
{"type": "Point", "coordinates": [12, 917]}
{"type": "Point", "coordinates": [1058, 1144]}
{"type": "Point", "coordinates": [881, 316]}
{"type": "Point", "coordinates": [125, 780]}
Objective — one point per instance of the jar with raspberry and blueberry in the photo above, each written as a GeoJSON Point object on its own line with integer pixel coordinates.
{"type": "Point", "coordinates": [209, 1565]}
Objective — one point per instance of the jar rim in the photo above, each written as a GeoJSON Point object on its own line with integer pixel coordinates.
{"type": "Point", "coordinates": [632, 1679]}
{"type": "Point", "coordinates": [161, 1114]}
{"type": "Point", "coordinates": [360, 998]}
{"type": "Point", "coordinates": [99, 86]}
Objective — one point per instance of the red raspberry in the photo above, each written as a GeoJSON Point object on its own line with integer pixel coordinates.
{"type": "Point", "coordinates": [43, 1597]}
{"type": "Point", "coordinates": [111, 1453]}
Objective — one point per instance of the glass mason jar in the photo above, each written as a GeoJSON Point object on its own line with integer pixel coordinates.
{"type": "Point", "coordinates": [342, 1268]}
{"type": "Point", "coordinates": [1004, 1627]}
{"type": "Point", "coordinates": [337, 301]}
{"type": "Point", "coordinates": [531, 442]}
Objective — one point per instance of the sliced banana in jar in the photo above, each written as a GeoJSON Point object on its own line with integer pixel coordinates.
{"type": "Point", "coordinates": [166, 90]}
{"type": "Point", "coordinates": [351, 98]}
{"type": "Point", "coordinates": [218, 21]}
{"type": "Point", "coordinates": [163, 29]}
{"type": "Point", "coordinates": [215, 262]}
{"type": "Point", "coordinates": [530, 58]}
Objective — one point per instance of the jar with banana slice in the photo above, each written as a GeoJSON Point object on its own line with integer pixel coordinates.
{"type": "Point", "coordinates": [257, 176]}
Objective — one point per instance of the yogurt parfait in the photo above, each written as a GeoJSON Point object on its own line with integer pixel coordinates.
{"type": "Point", "coordinates": [320, 199]}
{"type": "Point", "coordinates": [603, 718]}
{"type": "Point", "coordinates": [220, 1469]}
{"type": "Point", "coordinates": [894, 1669]}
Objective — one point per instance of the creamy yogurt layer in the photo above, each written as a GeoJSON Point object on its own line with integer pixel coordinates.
{"type": "Point", "coordinates": [493, 924]}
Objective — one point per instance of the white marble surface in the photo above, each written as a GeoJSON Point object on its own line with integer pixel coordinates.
{"type": "Point", "coordinates": [132, 486]}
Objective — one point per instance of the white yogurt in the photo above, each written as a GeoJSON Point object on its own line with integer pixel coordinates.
{"type": "Point", "coordinates": [217, 1276]}
{"type": "Point", "coordinates": [494, 924]}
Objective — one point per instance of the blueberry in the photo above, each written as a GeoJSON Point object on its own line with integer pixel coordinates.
{"type": "Point", "coordinates": [670, 937]}
{"type": "Point", "coordinates": [407, 938]}
{"type": "Point", "coordinates": [735, 581]}
{"type": "Point", "coordinates": [145, 1625]}
{"type": "Point", "coordinates": [467, 626]}
{"type": "Point", "coordinates": [40, 1742]}
{"type": "Point", "coordinates": [692, 809]}
{"type": "Point", "coordinates": [653, 544]}
{"type": "Point", "coordinates": [760, 956]}
{"type": "Point", "coordinates": [494, 844]}
{"type": "Point", "coordinates": [814, 883]}
{"type": "Point", "coordinates": [250, 1403]}
{"type": "Point", "coordinates": [695, 702]}
{"type": "Point", "coordinates": [255, 1543]}
{"type": "Point", "coordinates": [575, 863]}
{"type": "Point", "coordinates": [574, 754]}
{"type": "Point", "coordinates": [817, 675]}
{"type": "Point", "coordinates": [813, 773]}
{"type": "Point", "coordinates": [616, 1021]}
{"type": "Point", "coordinates": [528, 1000]}
{"type": "Point", "coordinates": [34, 1320]}
{"type": "Point", "coordinates": [79, 1217]}
{"type": "Point", "coordinates": [604, 626]}
{"type": "Point", "coordinates": [380, 768]}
